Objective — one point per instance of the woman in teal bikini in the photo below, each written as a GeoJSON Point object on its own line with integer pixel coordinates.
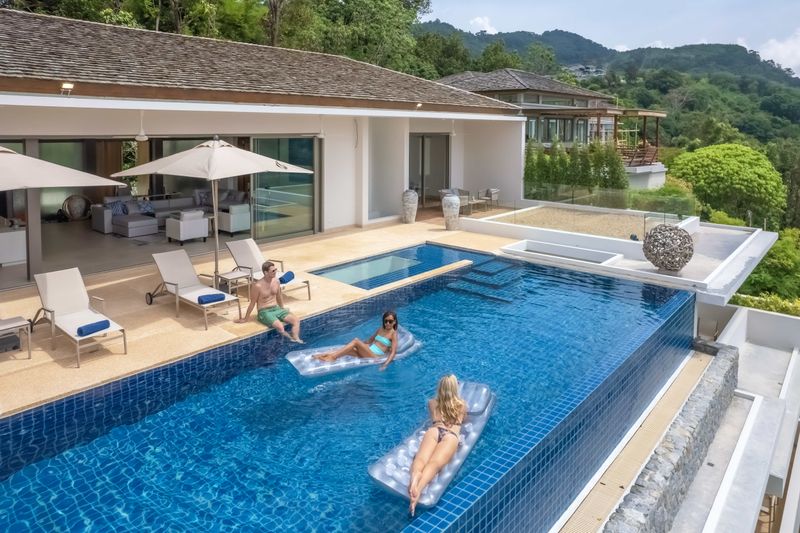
{"type": "Point", "coordinates": [383, 343]}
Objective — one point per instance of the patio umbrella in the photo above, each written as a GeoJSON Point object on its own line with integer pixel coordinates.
{"type": "Point", "coordinates": [213, 160]}
{"type": "Point", "coordinates": [19, 171]}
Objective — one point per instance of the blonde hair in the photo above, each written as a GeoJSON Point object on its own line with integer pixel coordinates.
{"type": "Point", "coordinates": [448, 402]}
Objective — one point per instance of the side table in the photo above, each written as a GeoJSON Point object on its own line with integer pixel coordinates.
{"type": "Point", "coordinates": [18, 325]}
{"type": "Point", "coordinates": [235, 279]}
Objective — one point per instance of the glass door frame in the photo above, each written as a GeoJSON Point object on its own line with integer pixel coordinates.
{"type": "Point", "coordinates": [422, 158]}
{"type": "Point", "coordinates": [317, 212]}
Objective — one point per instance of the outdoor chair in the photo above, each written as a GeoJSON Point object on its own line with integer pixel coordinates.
{"type": "Point", "coordinates": [248, 258]}
{"type": "Point", "coordinates": [67, 306]}
{"type": "Point", "coordinates": [490, 196]}
{"type": "Point", "coordinates": [187, 225]}
{"type": "Point", "coordinates": [179, 278]}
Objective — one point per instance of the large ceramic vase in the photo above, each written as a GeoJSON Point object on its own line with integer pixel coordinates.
{"type": "Point", "coordinates": [450, 207]}
{"type": "Point", "coordinates": [410, 201]}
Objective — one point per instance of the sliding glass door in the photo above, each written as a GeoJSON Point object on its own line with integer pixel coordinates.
{"type": "Point", "coordinates": [284, 204]}
{"type": "Point", "coordinates": [429, 166]}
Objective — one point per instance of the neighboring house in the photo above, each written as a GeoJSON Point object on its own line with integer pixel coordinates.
{"type": "Point", "coordinates": [563, 113]}
{"type": "Point", "coordinates": [367, 132]}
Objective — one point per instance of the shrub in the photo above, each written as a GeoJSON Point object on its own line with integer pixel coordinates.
{"type": "Point", "coordinates": [779, 272]}
{"type": "Point", "coordinates": [768, 302]}
{"type": "Point", "coordinates": [735, 179]}
{"type": "Point", "coordinates": [721, 217]}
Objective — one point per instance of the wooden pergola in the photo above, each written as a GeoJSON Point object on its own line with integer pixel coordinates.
{"type": "Point", "coordinates": [599, 113]}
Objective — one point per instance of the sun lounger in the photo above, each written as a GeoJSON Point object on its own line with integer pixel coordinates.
{"type": "Point", "coordinates": [392, 471]}
{"type": "Point", "coordinates": [67, 306]}
{"type": "Point", "coordinates": [179, 278]}
{"type": "Point", "coordinates": [248, 257]}
{"type": "Point", "coordinates": [308, 366]}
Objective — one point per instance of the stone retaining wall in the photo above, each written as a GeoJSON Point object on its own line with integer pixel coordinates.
{"type": "Point", "coordinates": [659, 490]}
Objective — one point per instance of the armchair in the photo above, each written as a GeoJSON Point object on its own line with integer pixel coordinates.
{"type": "Point", "coordinates": [188, 225]}
{"type": "Point", "coordinates": [236, 219]}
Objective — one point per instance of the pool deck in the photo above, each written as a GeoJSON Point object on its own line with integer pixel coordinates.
{"type": "Point", "coordinates": [157, 337]}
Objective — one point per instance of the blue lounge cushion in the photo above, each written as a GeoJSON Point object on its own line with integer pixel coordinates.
{"type": "Point", "coordinates": [146, 207]}
{"type": "Point", "coordinates": [286, 278]}
{"type": "Point", "coordinates": [117, 208]}
{"type": "Point", "coordinates": [94, 327]}
{"type": "Point", "coordinates": [204, 299]}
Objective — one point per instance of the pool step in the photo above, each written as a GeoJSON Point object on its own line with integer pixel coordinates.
{"type": "Point", "coordinates": [492, 266]}
{"type": "Point", "coordinates": [505, 277]}
{"type": "Point", "coordinates": [482, 291]}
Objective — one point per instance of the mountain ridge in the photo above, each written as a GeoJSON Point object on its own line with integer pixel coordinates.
{"type": "Point", "coordinates": [571, 48]}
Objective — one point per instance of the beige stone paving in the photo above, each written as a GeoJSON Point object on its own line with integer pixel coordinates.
{"type": "Point", "coordinates": [156, 336]}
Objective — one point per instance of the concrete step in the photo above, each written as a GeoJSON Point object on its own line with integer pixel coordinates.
{"type": "Point", "coordinates": [501, 279]}
{"type": "Point", "coordinates": [492, 266]}
{"type": "Point", "coordinates": [483, 291]}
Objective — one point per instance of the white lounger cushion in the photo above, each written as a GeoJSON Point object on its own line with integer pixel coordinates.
{"type": "Point", "coordinates": [307, 365]}
{"type": "Point", "coordinates": [192, 293]}
{"type": "Point", "coordinates": [392, 471]}
{"type": "Point", "coordinates": [246, 254]}
{"type": "Point", "coordinates": [70, 323]}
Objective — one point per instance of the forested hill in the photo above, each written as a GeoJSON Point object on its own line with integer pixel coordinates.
{"type": "Point", "coordinates": [571, 48]}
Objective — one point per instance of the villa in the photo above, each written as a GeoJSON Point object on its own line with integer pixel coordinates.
{"type": "Point", "coordinates": [612, 394]}
{"type": "Point", "coordinates": [566, 114]}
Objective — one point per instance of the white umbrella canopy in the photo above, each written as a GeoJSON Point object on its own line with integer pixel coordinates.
{"type": "Point", "coordinates": [213, 160]}
{"type": "Point", "coordinates": [19, 171]}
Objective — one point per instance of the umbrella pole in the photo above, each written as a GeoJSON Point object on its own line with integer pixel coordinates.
{"type": "Point", "coordinates": [215, 201]}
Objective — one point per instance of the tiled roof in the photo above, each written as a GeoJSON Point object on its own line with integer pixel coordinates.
{"type": "Point", "coordinates": [509, 79]}
{"type": "Point", "coordinates": [42, 47]}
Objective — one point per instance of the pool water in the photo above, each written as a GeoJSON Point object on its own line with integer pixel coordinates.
{"type": "Point", "coordinates": [271, 451]}
{"type": "Point", "coordinates": [386, 268]}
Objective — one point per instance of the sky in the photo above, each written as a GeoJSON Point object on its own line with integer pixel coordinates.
{"type": "Point", "coordinates": [771, 27]}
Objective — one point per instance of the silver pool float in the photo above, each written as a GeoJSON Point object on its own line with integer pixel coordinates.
{"type": "Point", "coordinates": [392, 472]}
{"type": "Point", "coordinates": [304, 362]}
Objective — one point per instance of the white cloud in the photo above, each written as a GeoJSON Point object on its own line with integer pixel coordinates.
{"type": "Point", "coordinates": [786, 52]}
{"type": "Point", "coordinates": [483, 24]}
{"type": "Point", "coordinates": [742, 42]}
{"type": "Point", "coordinates": [656, 44]}
{"type": "Point", "coordinates": [621, 48]}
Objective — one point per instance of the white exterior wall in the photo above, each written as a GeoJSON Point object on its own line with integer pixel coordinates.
{"type": "Point", "coordinates": [389, 166]}
{"type": "Point", "coordinates": [483, 152]}
{"type": "Point", "coordinates": [493, 157]}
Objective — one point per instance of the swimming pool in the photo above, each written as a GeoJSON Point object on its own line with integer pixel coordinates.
{"type": "Point", "coordinates": [236, 438]}
{"type": "Point", "coordinates": [386, 268]}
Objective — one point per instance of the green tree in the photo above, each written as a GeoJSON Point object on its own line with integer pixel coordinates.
{"type": "Point", "coordinates": [785, 156]}
{"type": "Point", "coordinates": [777, 273]}
{"type": "Point", "coordinates": [495, 56]}
{"type": "Point", "coordinates": [446, 54]}
{"type": "Point", "coordinates": [241, 20]}
{"type": "Point", "coordinates": [119, 18]}
{"type": "Point", "coordinates": [540, 59]}
{"type": "Point", "coordinates": [735, 179]}
{"type": "Point", "coordinates": [663, 80]}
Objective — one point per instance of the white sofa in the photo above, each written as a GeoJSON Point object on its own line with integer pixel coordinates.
{"type": "Point", "coordinates": [132, 224]}
{"type": "Point", "coordinates": [188, 225]}
{"type": "Point", "coordinates": [236, 219]}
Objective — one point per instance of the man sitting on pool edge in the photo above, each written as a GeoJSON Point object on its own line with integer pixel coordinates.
{"type": "Point", "coordinates": [266, 292]}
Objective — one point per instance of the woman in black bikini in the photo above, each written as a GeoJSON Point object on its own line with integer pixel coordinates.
{"type": "Point", "coordinates": [441, 440]}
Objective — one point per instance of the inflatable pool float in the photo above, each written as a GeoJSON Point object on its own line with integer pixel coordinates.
{"type": "Point", "coordinates": [392, 471]}
{"type": "Point", "coordinates": [304, 362]}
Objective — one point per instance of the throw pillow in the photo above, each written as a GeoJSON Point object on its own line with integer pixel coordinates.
{"type": "Point", "coordinates": [223, 194]}
{"type": "Point", "coordinates": [146, 207]}
{"type": "Point", "coordinates": [132, 207]}
{"type": "Point", "coordinates": [240, 196]}
{"type": "Point", "coordinates": [204, 197]}
{"type": "Point", "coordinates": [117, 208]}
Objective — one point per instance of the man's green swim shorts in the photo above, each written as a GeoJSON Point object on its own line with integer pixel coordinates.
{"type": "Point", "coordinates": [268, 315]}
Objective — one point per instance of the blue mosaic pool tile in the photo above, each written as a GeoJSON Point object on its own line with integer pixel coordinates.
{"type": "Point", "coordinates": [550, 463]}
{"type": "Point", "coordinates": [520, 488]}
{"type": "Point", "coordinates": [500, 279]}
